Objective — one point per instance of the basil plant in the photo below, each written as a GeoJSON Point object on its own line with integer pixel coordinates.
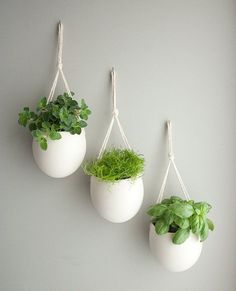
{"type": "Point", "coordinates": [181, 217]}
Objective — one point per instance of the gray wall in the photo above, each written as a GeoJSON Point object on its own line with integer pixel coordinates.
{"type": "Point", "coordinates": [175, 59]}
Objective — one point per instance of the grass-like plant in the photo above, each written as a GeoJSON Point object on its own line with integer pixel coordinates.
{"type": "Point", "coordinates": [181, 217]}
{"type": "Point", "coordinates": [49, 119]}
{"type": "Point", "coordinates": [116, 164]}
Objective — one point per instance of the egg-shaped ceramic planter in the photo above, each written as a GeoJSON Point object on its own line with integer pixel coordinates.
{"type": "Point", "coordinates": [63, 156]}
{"type": "Point", "coordinates": [118, 201]}
{"type": "Point", "coordinates": [175, 258]}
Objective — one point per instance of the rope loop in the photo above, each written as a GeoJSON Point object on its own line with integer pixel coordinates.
{"type": "Point", "coordinates": [113, 83]}
{"type": "Point", "coordinates": [115, 114]}
{"type": "Point", "coordinates": [59, 65]}
{"type": "Point", "coordinates": [171, 162]}
{"type": "Point", "coordinates": [60, 43]}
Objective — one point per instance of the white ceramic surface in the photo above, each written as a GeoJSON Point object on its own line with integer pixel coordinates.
{"type": "Point", "coordinates": [175, 258]}
{"type": "Point", "coordinates": [117, 202]}
{"type": "Point", "coordinates": [62, 157]}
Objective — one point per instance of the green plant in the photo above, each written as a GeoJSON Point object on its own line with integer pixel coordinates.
{"type": "Point", "coordinates": [49, 119]}
{"type": "Point", "coordinates": [116, 164]}
{"type": "Point", "coordinates": [181, 217]}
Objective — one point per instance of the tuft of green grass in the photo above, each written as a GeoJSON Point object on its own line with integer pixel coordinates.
{"type": "Point", "coordinates": [116, 164]}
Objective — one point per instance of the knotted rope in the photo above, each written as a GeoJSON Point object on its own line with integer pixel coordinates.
{"type": "Point", "coordinates": [171, 162]}
{"type": "Point", "coordinates": [59, 66]}
{"type": "Point", "coordinates": [115, 114]}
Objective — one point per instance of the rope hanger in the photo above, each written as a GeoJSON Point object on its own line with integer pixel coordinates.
{"type": "Point", "coordinates": [171, 162]}
{"type": "Point", "coordinates": [115, 114]}
{"type": "Point", "coordinates": [59, 66]}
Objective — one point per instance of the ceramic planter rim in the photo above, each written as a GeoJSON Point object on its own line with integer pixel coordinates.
{"type": "Point", "coordinates": [117, 181]}
{"type": "Point", "coordinates": [64, 133]}
{"type": "Point", "coordinates": [152, 225]}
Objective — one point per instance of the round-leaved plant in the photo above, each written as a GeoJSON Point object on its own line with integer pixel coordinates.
{"type": "Point", "coordinates": [49, 119]}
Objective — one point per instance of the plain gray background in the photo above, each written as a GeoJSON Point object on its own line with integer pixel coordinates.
{"type": "Point", "coordinates": [175, 60]}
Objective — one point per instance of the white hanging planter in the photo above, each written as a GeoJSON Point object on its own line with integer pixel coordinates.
{"type": "Point", "coordinates": [62, 157]}
{"type": "Point", "coordinates": [174, 252]}
{"type": "Point", "coordinates": [175, 258]}
{"type": "Point", "coordinates": [117, 202]}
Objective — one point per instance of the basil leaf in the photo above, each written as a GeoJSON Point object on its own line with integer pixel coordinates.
{"type": "Point", "coordinates": [156, 210]}
{"type": "Point", "coordinates": [183, 210]}
{"type": "Point", "coordinates": [161, 227]}
{"type": "Point", "coordinates": [210, 224]}
{"type": "Point", "coordinates": [204, 231]}
{"type": "Point", "coordinates": [168, 217]}
{"type": "Point", "coordinates": [181, 222]}
{"type": "Point", "coordinates": [180, 236]}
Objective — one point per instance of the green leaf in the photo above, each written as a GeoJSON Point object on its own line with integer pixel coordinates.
{"type": "Point", "coordinates": [198, 211]}
{"type": "Point", "coordinates": [182, 222]}
{"type": "Point", "coordinates": [204, 231]}
{"type": "Point", "coordinates": [43, 143]}
{"type": "Point", "coordinates": [202, 208]}
{"type": "Point", "coordinates": [42, 103]}
{"type": "Point", "coordinates": [88, 111]}
{"type": "Point", "coordinates": [32, 126]}
{"type": "Point", "coordinates": [74, 104]}
{"type": "Point", "coordinates": [161, 227]}
{"type": "Point", "coordinates": [195, 224]}
{"type": "Point", "coordinates": [210, 224]}
{"type": "Point", "coordinates": [191, 202]}
{"type": "Point", "coordinates": [46, 116]}
{"type": "Point", "coordinates": [180, 236]}
{"type": "Point", "coordinates": [175, 199]}
{"type": "Point", "coordinates": [37, 133]}
{"type": "Point", "coordinates": [24, 117]}
{"type": "Point", "coordinates": [46, 125]}
{"type": "Point", "coordinates": [76, 130]}
{"type": "Point", "coordinates": [54, 135]}
{"type": "Point", "coordinates": [168, 217]}
{"type": "Point", "coordinates": [82, 123]}
{"type": "Point", "coordinates": [55, 110]}
{"type": "Point", "coordinates": [83, 104]}
{"type": "Point", "coordinates": [156, 210]}
{"type": "Point", "coordinates": [183, 210]}
{"type": "Point", "coordinates": [166, 201]}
